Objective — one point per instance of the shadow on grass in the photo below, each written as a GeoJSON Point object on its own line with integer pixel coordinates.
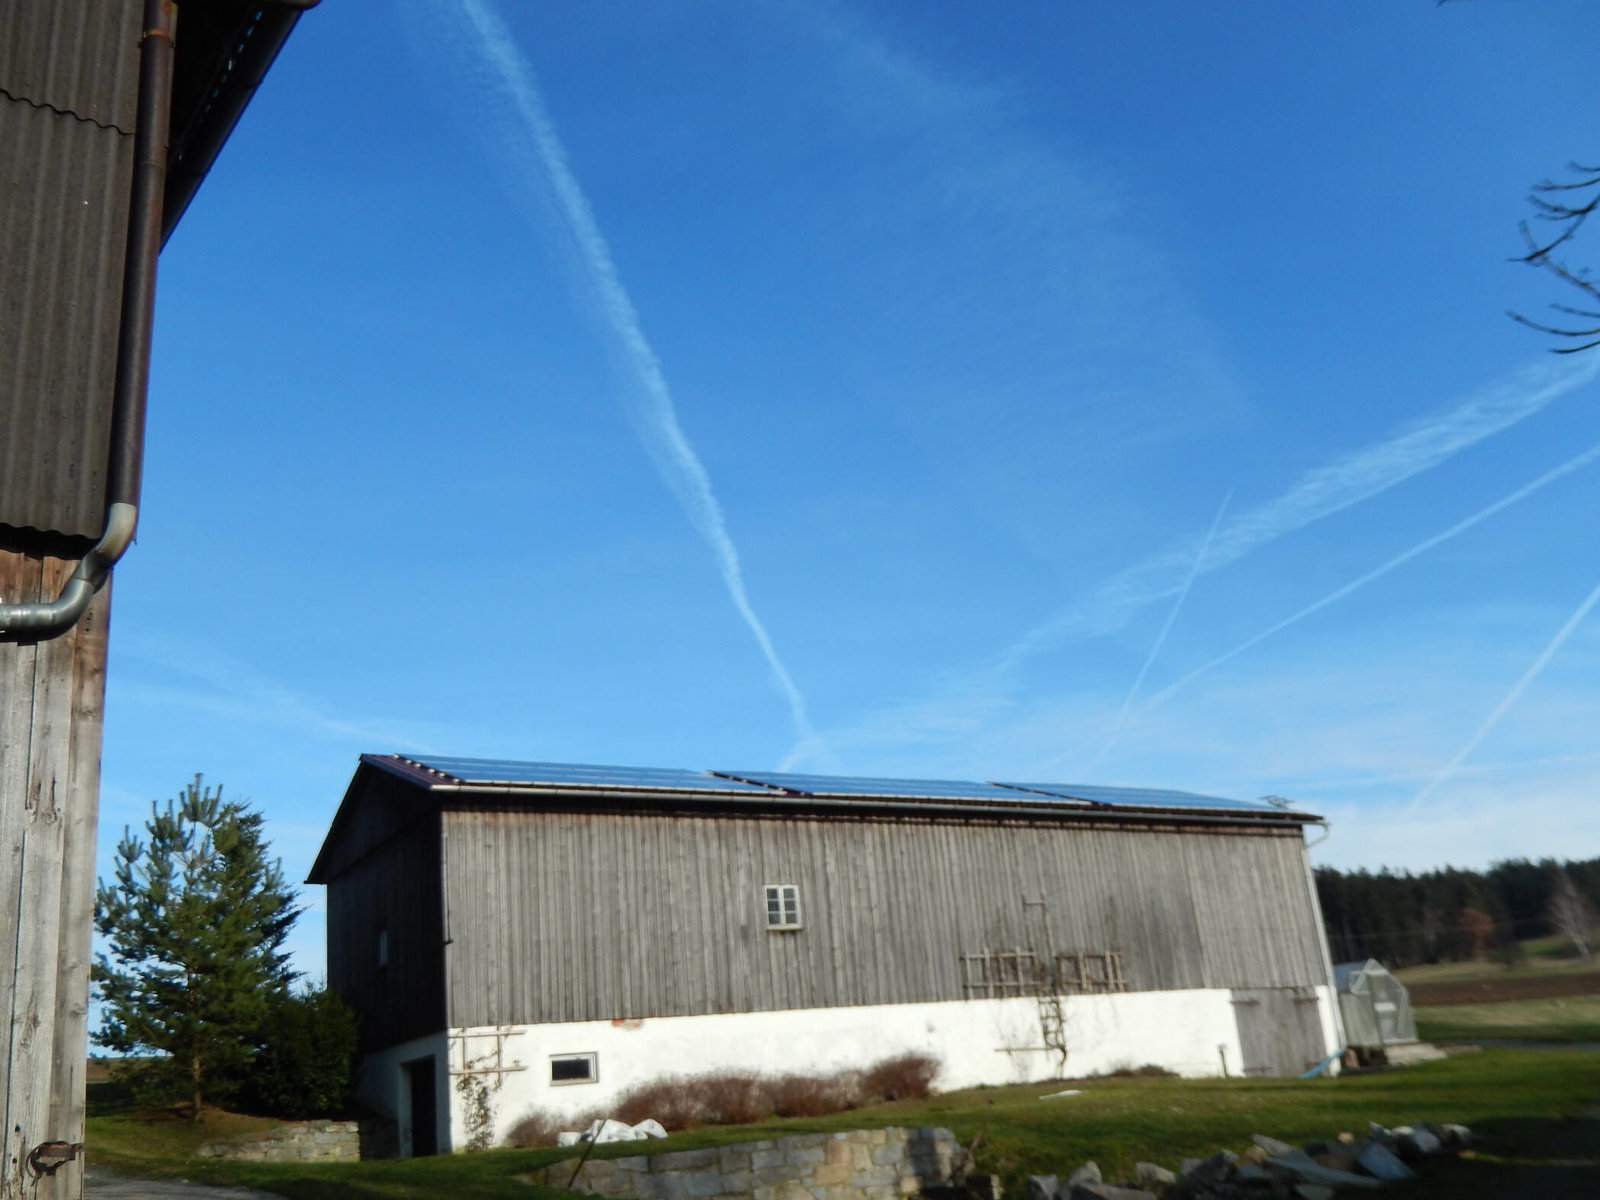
{"type": "Point", "coordinates": [1523, 1158]}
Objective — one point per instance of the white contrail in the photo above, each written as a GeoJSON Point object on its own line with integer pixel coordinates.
{"type": "Point", "coordinates": [1319, 493]}
{"type": "Point", "coordinates": [1405, 556]}
{"type": "Point", "coordinates": [652, 411]}
{"type": "Point", "coordinates": [1511, 698]}
{"type": "Point", "coordinates": [1161, 638]}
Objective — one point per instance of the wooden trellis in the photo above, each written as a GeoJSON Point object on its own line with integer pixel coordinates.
{"type": "Point", "coordinates": [989, 974]}
{"type": "Point", "coordinates": [492, 1061]}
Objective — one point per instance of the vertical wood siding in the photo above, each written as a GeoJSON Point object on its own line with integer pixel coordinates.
{"type": "Point", "coordinates": [396, 888]}
{"type": "Point", "coordinates": [51, 708]}
{"type": "Point", "coordinates": [584, 916]}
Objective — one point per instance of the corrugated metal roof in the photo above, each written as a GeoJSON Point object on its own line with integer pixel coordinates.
{"type": "Point", "coordinates": [514, 777]}
{"type": "Point", "coordinates": [75, 56]}
{"type": "Point", "coordinates": [63, 224]}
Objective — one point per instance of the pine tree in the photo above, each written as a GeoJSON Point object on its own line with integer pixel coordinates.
{"type": "Point", "coordinates": [195, 922]}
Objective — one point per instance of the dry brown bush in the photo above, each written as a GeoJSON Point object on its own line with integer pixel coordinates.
{"type": "Point", "coordinates": [814, 1095]}
{"type": "Point", "coordinates": [741, 1098]}
{"type": "Point", "coordinates": [733, 1099]}
{"type": "Point", "coordinates": [537, 1127]}
{"type": "Point", "coordinates": [673, 1100]}
{"type": "Point", "coordinates": [905, 1077]}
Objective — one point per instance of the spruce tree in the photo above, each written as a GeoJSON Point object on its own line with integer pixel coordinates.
{"type": "Point", "coordinates": [194, 920]}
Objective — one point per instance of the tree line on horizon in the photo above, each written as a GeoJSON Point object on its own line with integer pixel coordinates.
{"type": "Point", "coordinates": [1452, 914]}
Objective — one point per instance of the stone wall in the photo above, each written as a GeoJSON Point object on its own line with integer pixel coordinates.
{"type": "Point", "coordinates": [866, 1164]}
{"type": "Point", "coordinates": [302, 1141]}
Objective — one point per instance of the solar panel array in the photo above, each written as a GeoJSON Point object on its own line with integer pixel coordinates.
{"type": "Point", "coordinates": [1126, 797]}
{"type": "Point", "coordinates": [488, 771]}
{"type": "Point", "coordinates": [773, 784]}
{"type": "Point", "coordinates": [904, 789]}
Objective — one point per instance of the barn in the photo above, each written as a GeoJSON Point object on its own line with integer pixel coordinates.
{"type": "Point", "coordinates": [533, 935]}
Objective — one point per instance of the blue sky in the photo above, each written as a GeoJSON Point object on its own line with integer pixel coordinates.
{"type": "Point", "coordinates": [1104, 392]}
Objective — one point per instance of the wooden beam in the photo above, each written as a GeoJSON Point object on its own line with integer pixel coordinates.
{"type": "Point", "coordinates": [52, 701]}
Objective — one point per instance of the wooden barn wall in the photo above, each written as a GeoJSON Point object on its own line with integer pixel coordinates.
{"type": "Point", "coordinates": [52, 709]}
{"type": "Point", "coordinates": [397, 889]}
{"type": "Point", "coordinates": [376, 807]}
{"type": "Point", "coordinates": [587, 916]}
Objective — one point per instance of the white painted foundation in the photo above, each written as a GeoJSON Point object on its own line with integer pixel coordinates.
{"type": "Point", "coordinates": [383, 1086]}
{"type": "Point", "coordinates": [976, 1041]}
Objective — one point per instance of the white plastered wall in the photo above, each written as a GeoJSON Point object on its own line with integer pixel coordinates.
{"type": "Point", "coordinates": [384, 1086]}
{"type": "Point", "coordinates": [976, 1042]}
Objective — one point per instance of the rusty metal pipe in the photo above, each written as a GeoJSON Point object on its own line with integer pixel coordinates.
{"type": "Point", "coordinates": [126, 472]}
{"type": "Point", "coordinates": [125, 468]}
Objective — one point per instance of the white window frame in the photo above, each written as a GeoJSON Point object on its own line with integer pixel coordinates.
{"type": "Point", "coordinates": [787, 912]}
{"type": "Point", "coordinates": [588, 1056]}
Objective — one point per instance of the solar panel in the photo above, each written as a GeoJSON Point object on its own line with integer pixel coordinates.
{"type": "Point", "coordinates": [909, 789]}
{"type": "Point", "coordinates": [1127, 797]}
{"type": "Point", "coordinates": [580, 775]}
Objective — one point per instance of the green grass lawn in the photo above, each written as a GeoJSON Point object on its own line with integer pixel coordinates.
{"type": "Point", "coordinates": [1531, 1107]}
{"type": "Point", "coordinates": [1562, 1019]}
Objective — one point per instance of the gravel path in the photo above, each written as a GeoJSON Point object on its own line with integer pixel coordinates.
{"type": "Point", "coordinates": [103, 1185]}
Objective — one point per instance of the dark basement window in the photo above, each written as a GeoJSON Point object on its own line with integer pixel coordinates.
{"type": "Point", "coordinates": [574, 1068]}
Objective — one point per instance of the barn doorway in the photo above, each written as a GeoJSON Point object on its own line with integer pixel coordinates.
{"type": "Point", "coordinates": [424, 1105]}
{"type": "Point", "coordinates": [1280, 1029]}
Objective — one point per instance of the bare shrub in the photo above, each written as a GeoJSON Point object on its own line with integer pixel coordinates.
{"type": "Point", "coordinates": [741, 1098]}
{"type": "Point", "coordinates": [1125, 1070]}
{"type": "Point", "coordinates": [733, 1099]}
{"type": "Point", "coordinates": [905, 1077]}
{"type": "Point", "coordinates": [537, 1127]}
{"type": "Point", "coordinates": [672, 1100]}
{"type": "Point", "coordinates": [814, 1095]}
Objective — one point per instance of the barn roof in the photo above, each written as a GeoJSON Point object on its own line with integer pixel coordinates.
{"type": "Point", "coordinates": [69, 82]}
{"type": "Point", "coordinates": [512, 776]}
{"type": "Point", "coordinates": [438, 780]}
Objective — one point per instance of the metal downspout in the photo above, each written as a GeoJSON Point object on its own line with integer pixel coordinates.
{"type": "Point", "coordinates": [42, 621]}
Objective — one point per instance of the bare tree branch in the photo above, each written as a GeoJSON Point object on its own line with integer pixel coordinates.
{"type": "Point", "coordinates": [1551, 203]}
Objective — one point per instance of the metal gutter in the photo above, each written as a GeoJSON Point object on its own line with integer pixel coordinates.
{"type": "Point", "coordinates": [42, 621]}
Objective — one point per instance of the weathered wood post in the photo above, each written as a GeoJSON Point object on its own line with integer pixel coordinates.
{"type": "Point", "coordinates": [51, 699]}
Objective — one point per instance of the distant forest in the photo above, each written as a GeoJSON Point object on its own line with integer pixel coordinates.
{"type": "Point", "coordinates": [1449, 914]}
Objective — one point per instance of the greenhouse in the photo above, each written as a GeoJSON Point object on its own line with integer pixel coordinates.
{"type": "Point", "coordinates": [1374, 1004]}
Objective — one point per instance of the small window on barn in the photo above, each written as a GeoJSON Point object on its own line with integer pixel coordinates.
{"type": "Point", "coordinates": [783, 906]}
{"type": "Point", "coordinates": [383, 947]}
{"type": "Point", "coordinates": [574, 1068]}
